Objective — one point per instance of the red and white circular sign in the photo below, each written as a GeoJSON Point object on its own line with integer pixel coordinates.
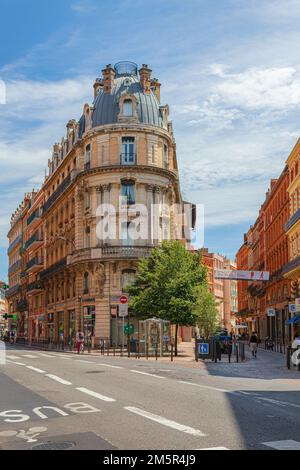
{"type": "Point", "coordinates": [123, 299]}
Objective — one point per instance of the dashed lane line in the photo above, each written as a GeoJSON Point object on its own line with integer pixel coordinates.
{"type": "Point", "coordinates": [95, 394]}
{"type": "Point", "coordinates": [12, 357]}
{"type": "Point", "coordinates": [30, 356]}
{"type": "Point", "coordinates": [35, 369]}
{"type": "Point", "coordinates": [165, 422]}
{"type": "Point", "coordinates": [58, 379]}
{"type": "Point", "coordinates": [47, 355]}
{"type": "Point", "coordinates": [108, 365]}
{"type": "Point", "coordinates": [205, 386]}
{"type": "Point", "coordinates": [146, 373]}
{"type": "Point", "coordinates": [214, 448]}
{"type": "Point", "coordinates": [85, 362]}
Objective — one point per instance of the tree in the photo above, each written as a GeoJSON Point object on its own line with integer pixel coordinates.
{"type": "Point", "coordinates": [207, 310]}
{"type": "Point", "coordinates": [166, 285]}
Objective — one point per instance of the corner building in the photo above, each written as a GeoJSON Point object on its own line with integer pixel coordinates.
{"type": "Point", "coordinates": [122, 146]}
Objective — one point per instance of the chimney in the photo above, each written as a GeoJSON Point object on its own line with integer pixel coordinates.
{"type": "Point", "coordinates": [98, 85]}
{"type": "Point", "coordinates": [155, 85]}
{"type": "Point", "coordinates": [145, 75]}
{"type": "Point", "coordinates": [108, 78]}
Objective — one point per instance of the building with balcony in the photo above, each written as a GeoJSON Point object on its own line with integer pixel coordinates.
{"type": "Point", "coordinates": [80, 250]}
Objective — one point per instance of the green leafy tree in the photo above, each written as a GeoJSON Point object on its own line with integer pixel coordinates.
{"type": "Point", "coordinates": [166, 285]}
{"type": "Point", "coordinates": [207, 311]}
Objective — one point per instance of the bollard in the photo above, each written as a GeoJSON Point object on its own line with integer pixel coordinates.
{"type": "Point", "coordinates": [196, 349]}
{"type": "Point", "coordinates": [114, 350]}
{"type": "Point", "coordinates": [146, 351]}
{"type": "Point", "coordinates": [172, 351]}
{"type": "Point", "coordinates": [156, 351]}
{"type": "Point", "coordinates": [237, 353]}
{"type": "Point", "coordinates": [138, 345]}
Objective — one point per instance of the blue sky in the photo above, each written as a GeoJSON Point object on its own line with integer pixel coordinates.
{"type": "Point", "coordinates": [229, 71]}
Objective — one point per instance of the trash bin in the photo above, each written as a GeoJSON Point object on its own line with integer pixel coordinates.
{"type": "Point", "coordinates": [133, 345]}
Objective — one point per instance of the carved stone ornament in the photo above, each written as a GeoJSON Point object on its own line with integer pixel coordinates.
{"type": "Point", "coordinates": [100, 277]}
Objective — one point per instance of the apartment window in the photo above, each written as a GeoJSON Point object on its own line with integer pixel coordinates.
{"type": "Point", "coordinates": [127, 278]}
{"type": "Point", "coordinates": [128, 151]}
{"type": "Point", "coordinates": [87, 157]}
{"type": "Point", "coordinates": [166, 157]}
{"type": "Point", "coordinates": [87, 237]}
{"type": "Point", "coordinates": [127, 108]}
{"type": "Point", "coordinates": [86, 283]}
{"type": "Point", "coordinates": [128, 192]}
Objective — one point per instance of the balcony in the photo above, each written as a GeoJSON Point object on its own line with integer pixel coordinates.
{"type": "Point", "coordinates": [14, 267]}
{"type": "Point", "coordinates": [109, 252]}
{"type": "Point", "coordinates": [59, 191]}
{"type": "Point", "coordinates": [12, 291]}
{"type": "Point", "coordinates": [53, 269]}
{"type": "Point", "coordinates": [291, 265]}
{"type": "Point", "coordinates": [34, 265]}
{"type": "Point", "coordinates": [35, 287]}
{"type": "Point", "coordinates": [33, 242]}
{"type": "Point", "coordinates": [15, 243]}
{"type": "Point", "coordinates": [295, 217]}
{"type": "Point", "coordinates": [34, 219]}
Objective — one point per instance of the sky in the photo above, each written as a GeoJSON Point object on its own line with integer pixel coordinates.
{"type": "Point", "coordinates": [230, 72]}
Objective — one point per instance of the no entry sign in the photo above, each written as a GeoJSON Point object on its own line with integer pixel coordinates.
{"type": "Point", "coordinates": [123, 299]}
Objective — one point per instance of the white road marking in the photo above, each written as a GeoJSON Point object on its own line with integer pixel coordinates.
{"type": "Point", "coordinates": [30, 356]}
{"type": "Point", "coordinates": [19, 363]}
{"type": "Point", "coordinates": [277, 402]}
{"type": "Point", "coordinates": [283, 445]}
{"type": "Point", "coordinates": [35, 369]}
{"type": "Point", "coordinates": [205, 386]}
{"type": "Point", "coordinates": [12, 357]}
{"type": "Point", "coordinates": [47, 355]}
{"type": "Point", "coordinates": [64, 357]}
{"type": "Point", "coordinates": [214, 448]}
{"type": "Point", "coordinates": [95, 394]}
{"type": "Point", "coordinates": [58, 379]}
{"type": "Point", "coordinates": [108, 365]}
{"type": "Point", "coordinates": [147, 373]}
{"type": "Point", "coordinates": [165, 421]}
{"type": "Point", "coordinates": [85, 362]}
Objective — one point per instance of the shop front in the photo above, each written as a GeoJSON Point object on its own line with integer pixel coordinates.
{"type": "Point", "coordinates": [89, 321]}
{"type": "Point", "coordinates": [71, 328]}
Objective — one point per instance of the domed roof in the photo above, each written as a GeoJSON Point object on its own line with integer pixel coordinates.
{"type": "Point", "coordinates": [106, 107]}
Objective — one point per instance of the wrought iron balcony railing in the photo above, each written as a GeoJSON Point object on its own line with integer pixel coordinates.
{"type": "Point", "coordinates": [295, 217]}
{"type": "Point", "coordinates": [15, 243]}
{"type": "Point", "coordinates": [61, 188]}
{"type": "Point", "coordinates": [14, 267]}
{"type": "Point", "coordinates": [12, 291]}
{"type": "Point", "coordinates": [54, 268]}
{"type": "Point", "coordinates": [35, 238]}
{"type": "Point", "coordinates": [36, 261]}
{"type": "Point", "coordinates": [34, 216]}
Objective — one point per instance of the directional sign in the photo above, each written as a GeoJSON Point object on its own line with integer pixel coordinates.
{"type": "Point", "coordinates": [203, 348]}
{"type": "Point", "coordinates": [123, 299]}
{"type": "Point", "coordinates": [6, 316]}
{"type": "Point", "coordinates": [130, 329]}
{"type": "Point", "coordinates": [292, 308]}
{"type": "Point", "coordinates": [123, 310]}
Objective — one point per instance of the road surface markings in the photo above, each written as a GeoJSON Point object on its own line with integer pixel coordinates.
{"type": "Point", "coordinates": [277, 402]}
{"type": "Point", "coordinates": [205, 386]}
{"type": "Point", "coordinates": [19, 363]}
{"type": "Point", "coordinates": [85, 362]}
{"type": "Point", "coordinates": [214, 448]}
{"type": "Point", "coordinates": [146, 373]}
{"type": "Point", "coordinates": [165, 421]}
{"type": "Point", "coordinates": [108, 365]}
{"type": "Point", "coordinates": [30, 356]}
{"type": "Point", "coordinates": [64, 357]}
{"type": "Point", "coordinates": [35, 369]}
{"type": "Point", "coordinates": [12, 357]}
{"type": "Point", "coordinates": [95, 394]}
{"type": "Point", "coordinates": [283, 445]}
{"type": "Point", "coordinates": [58, 379]}
{"type": "Point", "coordinates": [47, 355]}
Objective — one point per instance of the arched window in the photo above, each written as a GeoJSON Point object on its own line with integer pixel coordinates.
{"type": "Point", "coordinates": [86, 283]}
{"type": "Point", "coordinates": [127, 108]}
{"type": "Point", "coordinates": [127, 278]}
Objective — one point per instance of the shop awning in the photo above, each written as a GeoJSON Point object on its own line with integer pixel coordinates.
{"type": "Point", "coordinates": [294, 320]}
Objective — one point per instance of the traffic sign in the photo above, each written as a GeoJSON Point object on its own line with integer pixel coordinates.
{"type": "Point", "coordinates": [123, 310]}
{"type": "Point", "coordinates": [6, 316]}
{"type": "Point", "coordinates": [130, 329]}
{"type": "Point", "coordinates": [271, 312]}
{"type": "Point", "coordinates": [203, 348]}
{"type": "Point", "coordinates": [292, 308]}
{"type": "Point", "coordinates": [297, 305]}
{"type": "Point", "coordinates": [123, 299]}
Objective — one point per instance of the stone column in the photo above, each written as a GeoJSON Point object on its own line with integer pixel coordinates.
{"type": "Point", "coordinates": [150, 189]}
{"type": "Point", "coordinates": [102, 304]}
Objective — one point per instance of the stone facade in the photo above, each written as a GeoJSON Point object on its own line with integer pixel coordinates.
{"type": "Point", "coordinates": [81, 271]}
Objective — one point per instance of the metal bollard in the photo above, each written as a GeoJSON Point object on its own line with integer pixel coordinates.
{"type": "Point", "coordinates": [237, 353]}
{"type": "Point", "coordinates": [288, 357]}
{"type": "Point", "coordinates": [172, 352]}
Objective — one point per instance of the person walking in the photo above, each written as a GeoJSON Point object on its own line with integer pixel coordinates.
{"type": "Point", "coordinates": [253, 341]}
{"type": "Point", "coordinates": [79, 341]}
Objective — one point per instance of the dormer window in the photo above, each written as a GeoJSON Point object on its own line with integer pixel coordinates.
{"type": "Point", "coordinates": [127, 108]}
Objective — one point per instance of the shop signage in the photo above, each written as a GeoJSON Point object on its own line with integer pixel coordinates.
{"type": "Point", "coordinates": [129, 329]}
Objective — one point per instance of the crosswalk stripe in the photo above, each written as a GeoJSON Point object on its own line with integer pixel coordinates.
{"type": "Point", "coordinates": [146, 373]}
{"type": "Point", "coordinates": [165, 421]}
{"type": "Point", "coordinates": [58, 379]}
{"type": "Point", "coordinates": [35, 369]}
{"type": "Point", "coordinates": [12, 357]}
{"type": "Point", "coordinates": [30, 356]}
{"type": "Point", "coordinates": [47, 355]}
{"type": "Point", "coordinates": [283, 445]}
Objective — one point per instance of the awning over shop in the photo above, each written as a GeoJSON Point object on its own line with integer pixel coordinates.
{"type": "Point", "coordinates": [294, 320]}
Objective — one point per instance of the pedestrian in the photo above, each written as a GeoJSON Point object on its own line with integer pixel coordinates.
{"type": "Point", "coordinates": [79, 341]}
{"type": "Point", "coordinates": [253, 343]}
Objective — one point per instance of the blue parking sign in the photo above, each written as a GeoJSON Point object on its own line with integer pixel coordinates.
{"type": "Point", "coordinates": [203, 348]}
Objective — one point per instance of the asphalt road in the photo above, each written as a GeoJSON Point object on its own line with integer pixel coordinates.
{"type": "Point", "coordinates": [60, 400]}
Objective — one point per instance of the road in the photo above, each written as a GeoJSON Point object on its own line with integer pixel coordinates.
{"type": "Point", "coordinates": [61, 400]}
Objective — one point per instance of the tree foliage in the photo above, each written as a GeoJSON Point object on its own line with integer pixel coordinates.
{"type": "Point", "coordinates": [207, 312]}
